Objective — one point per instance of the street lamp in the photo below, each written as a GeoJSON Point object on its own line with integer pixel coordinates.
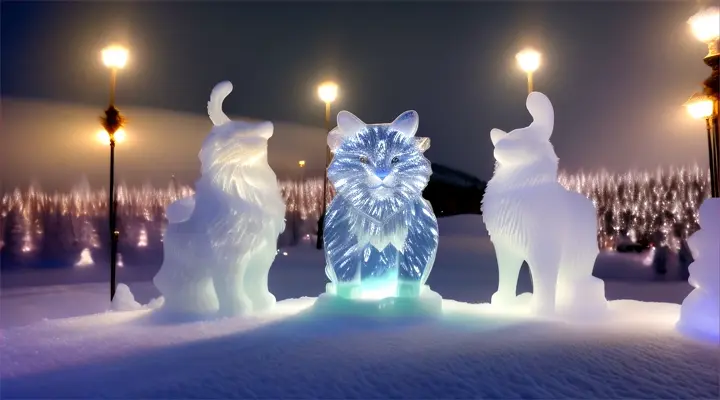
{"type": "Point", "coordinates": [301, 191]}
{"type": "Point", "coordinates": [699, 106]}
{"type": "Point", "coordinates": [299, 196]}
{"type": "Point", "coordinates": [114, 57]}
{"type": "Point", "coordinates": [327, 92]}
{"type": "Point", "coordinates": [102, 136]}
{"type": "Point", "coordinates": [706, 28]}
{"type": "Point", "coordinates": [529, 62]}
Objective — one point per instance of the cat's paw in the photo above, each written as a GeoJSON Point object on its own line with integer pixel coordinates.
{"type": "Point", "coordinates": [410, 289]}
{"type": "Point", "coordinates": [503, 299]}
{"type": "Point", "coordinates": [237, 306]}
{"type": "Point", "coordinates": [265, 302]}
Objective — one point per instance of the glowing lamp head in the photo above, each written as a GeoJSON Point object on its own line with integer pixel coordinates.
{"type": "Point", "coordinates": [528, 60]}
{"type": "Point", "coordinates": [328, 92]}
{"type": "Point", "coordinates": [705, 24]}
{"type": "Point", "coordinates": [104, 138]}
{"type": "Point", "coordinates": [301, 163]}
{"type": "Point", "coordinates": [115, 56]}
{"type": "Point", "coordinates": [700, 106]}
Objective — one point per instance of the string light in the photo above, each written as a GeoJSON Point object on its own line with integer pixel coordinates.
{"type": "Point", "coordinates": [642, 203]}
{"type": "Point", "coordinates": [637, 203]}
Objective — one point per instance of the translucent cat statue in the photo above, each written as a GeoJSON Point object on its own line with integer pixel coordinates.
{"type": "Point", "coordinates": [380, 234]}
{"type": "Point", "coordinates": [700, 311]}
{"type": "Point", "coordinates": [220, 243]}
{"type": "Point", "coordinates": [531, 217]}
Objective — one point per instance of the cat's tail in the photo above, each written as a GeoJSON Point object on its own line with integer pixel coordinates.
{"type": "Point", "coordinates": [214, 106]}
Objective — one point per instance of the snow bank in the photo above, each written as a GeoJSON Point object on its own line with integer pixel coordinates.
{"type": "Point", "coordinates": [472, 351]}
{"type": "Point", "coordinates": [124, 299]}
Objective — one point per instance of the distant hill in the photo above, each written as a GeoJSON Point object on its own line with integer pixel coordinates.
{"type": "Point", "coordinates": [452, 176]}
{"type": "Point", "coordinates": [453, 192]}
{"type": "Point", "coordinates": [55, 144]}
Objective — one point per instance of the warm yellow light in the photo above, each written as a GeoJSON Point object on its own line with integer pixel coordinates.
{"type": "Point", "coordinates": [328, 92]}
{"type": "Point", "coordinates": [700, 106]}
{"type": "Point", "coordinates": [705, 24]}
{"type": "Point", "coordinates": [115, 56]}
{"type": "Point", "coordinates": [103, 137]}
{"type": "Point", "coordinates": [528, 60]}
{"type": "Point", "coordinates": [301, 163]}
{"type": "Point", "coordinates": [120, 135]}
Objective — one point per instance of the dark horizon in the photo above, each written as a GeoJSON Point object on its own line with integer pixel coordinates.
{"type": "Point", "coordinates": [617, 72]}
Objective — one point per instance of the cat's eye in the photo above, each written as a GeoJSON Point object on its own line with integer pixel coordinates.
{"type": "Point", "coordinates": [395, 160]}
{"type": "Point", "coordinates": [363, 159]}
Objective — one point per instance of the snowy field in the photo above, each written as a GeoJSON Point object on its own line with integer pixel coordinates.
{"type": "Point", "coordinates": [58, 340]}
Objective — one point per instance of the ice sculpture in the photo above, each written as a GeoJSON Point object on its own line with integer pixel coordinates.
{"type": "Point", "coordinates": [700, 311]}
{"type": "Point", "coordinates": [380, 234]}
{"type": "Point", "coordinates": [531, 217]}
{"type": "Point", "coordinates": [220, 243]}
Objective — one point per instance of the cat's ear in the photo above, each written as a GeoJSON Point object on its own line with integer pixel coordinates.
{"type": "Point", "coordinates": [334, 139]}
{"type": "Point", "coordinates": [348, 123]}
{"type": "Point", "coordinates": [407, 123]}
{"type": "Point", "coordinates": [422, 143]}
{"type": "Point", "coordinates": [497, 135]}
{"type": "Point", "coordinates": [542, 112]}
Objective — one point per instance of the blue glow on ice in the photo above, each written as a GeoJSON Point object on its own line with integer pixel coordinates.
{"type": "Point", "coordinates": [381, 236]}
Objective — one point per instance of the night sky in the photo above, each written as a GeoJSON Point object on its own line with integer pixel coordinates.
{"type": "Point", "coordinates": [617, 72]}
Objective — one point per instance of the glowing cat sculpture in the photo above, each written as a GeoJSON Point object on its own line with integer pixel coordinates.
{"type": "Point", "coordinates": [380, 234]}
{"type": "Point", "coordinates": [220, 243]}
{"type": "Point", "coordinates": [700, 311]}
{"type": "Point", "coordinates": [531, 217]}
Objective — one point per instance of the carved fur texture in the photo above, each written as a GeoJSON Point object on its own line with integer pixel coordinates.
{"type": "Point", "coordinates": [379, 226]}
{"type": "Point", "coordinates": [220, 243]}
{"type": "Point", "coordinates": [531, 217]}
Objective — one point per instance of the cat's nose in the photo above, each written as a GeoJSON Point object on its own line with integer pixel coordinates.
{"type": "Point", "coordinates": [382, 173]}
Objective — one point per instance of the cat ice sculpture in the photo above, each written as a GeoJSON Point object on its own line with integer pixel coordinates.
{"type": "Point", "coordinates": [380, 234]}
{"type": "Point", "coordinates": [700, 311]}
{"type": "Point", "coordinates": [531, 217]}
{"type": "Point", "coordinates": [220, 243]}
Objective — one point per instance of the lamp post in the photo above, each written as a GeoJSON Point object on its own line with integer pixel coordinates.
{"type": "Point", "coordinates": [327, 92]}
{"type": "Point", "coordinates": [529, 61]}
{"type": "Point", "coordinates": [301, 191]}
{"type": "Point", "coordinates": [299, 194]}
{"type": "Point", "coordinates": [301, 164]}
{"type": "Point", "coordinates": [704, 105]}
{"type": "Point", "coordinates": [114, 57]}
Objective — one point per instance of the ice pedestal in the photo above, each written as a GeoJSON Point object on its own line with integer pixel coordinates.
{"type": "Point", "coordinates": [355, 301]}
{"type": "Point", "coordinates": [700, 311]}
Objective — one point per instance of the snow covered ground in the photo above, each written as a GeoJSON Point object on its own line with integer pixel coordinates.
{"type": "Point", "coordinates": [470, 352]}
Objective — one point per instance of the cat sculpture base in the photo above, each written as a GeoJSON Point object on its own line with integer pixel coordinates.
{"type": "Point", "coordinates": [426, 304]}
